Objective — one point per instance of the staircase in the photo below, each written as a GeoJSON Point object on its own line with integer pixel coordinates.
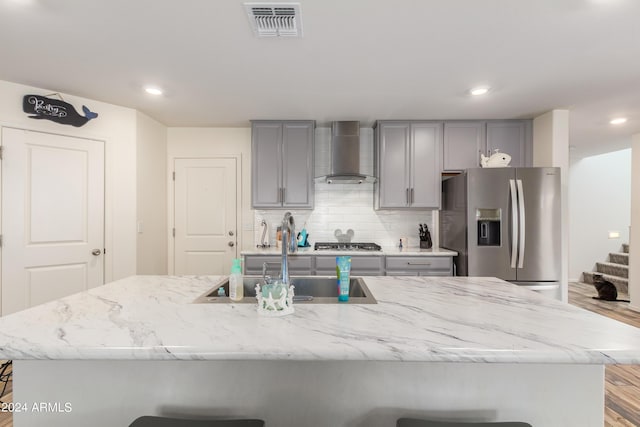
{"type": "Point", "coordinates": [616, 270]}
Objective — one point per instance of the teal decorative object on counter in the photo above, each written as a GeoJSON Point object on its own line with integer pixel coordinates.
{"type": "Point", "coordinates": [275, 298]}
{"type": "Point", "coordinates": [343, 271]}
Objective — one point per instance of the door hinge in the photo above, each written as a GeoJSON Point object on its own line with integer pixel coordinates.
{"type": "Point", "coordinates": [174, 232]}
{"type": "Point", "coordinates": [1, 151]}
{"type": "Point", "coordinates": [0, 240]}
{"type": "Point", "coordinates": [174, 176]}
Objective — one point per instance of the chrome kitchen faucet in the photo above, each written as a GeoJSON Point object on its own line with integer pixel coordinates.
{"type": "Point", "coordinates": [289, 243]}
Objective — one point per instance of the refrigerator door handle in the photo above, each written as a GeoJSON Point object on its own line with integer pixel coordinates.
{"type": "Point", "coordinates": [514, 222]}
{"type": "Point", "coordinates": [522, 224]}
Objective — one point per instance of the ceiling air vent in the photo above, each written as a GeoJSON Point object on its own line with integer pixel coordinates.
{"type": "Point", "coordinates": [275, 19]}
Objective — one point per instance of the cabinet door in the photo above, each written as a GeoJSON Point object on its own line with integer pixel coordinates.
{"type": "Point", "coordinates": [393, 164]}
{"type": "Point", "coordinates": [463, 144]}
{"type": "Point", "coordinates": [299, 265]}
{"type": "Point", "coordinates": [372, 265]}
{"type": "Point", "coordinates": [419, 265]}
{"type": "Point", "coordinates": [266, 164]}
{"type": "Point", "coordinates": [425, 164]}
{"type": "Point", "coordinates": [297, 168]}
{"type": "Point", "coordinates": [253, 265]}
{"type": "Point", "coordinates": [511, 137]}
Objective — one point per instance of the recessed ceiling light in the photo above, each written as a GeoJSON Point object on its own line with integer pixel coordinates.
{"type": "Point", "coordinates": [153, 90]}
{"type": "Point", "coordinates": [618, 121]}
{"type": "Point", "coordinates": [477, 91]}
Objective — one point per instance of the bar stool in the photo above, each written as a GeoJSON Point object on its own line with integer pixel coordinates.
{"type": "Point", "coordinates": [412, 422]}
{"type": "Point", "coordinates": [150, 421]}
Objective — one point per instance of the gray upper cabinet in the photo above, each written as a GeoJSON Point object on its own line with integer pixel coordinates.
{"type": "Point", "coordinates": [282, 164]}
{"type": "Point", "coordinates": [464, 141]}
{"type": "Point", "coordinates": [512, 137]}
{"type": "Point", "coordinates": [392, 185]}
{"type": "Point", "coordinates": [463, 144]}
{"type": "Point", "coordinates": [408, 164]}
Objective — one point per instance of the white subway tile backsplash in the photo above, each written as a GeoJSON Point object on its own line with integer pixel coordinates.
{"type": "Point", "coordinates": [340, 210]}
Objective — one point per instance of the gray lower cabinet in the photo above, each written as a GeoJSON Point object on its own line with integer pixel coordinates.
{"type": "Point", "coordinates": [464, 141]}
{"type": "Point", "coordinates": [419, 266]}
{"type": "Point", "coordinates": [408, 164]}
{"type": "Point", "coordinates": [282, 164]}
{"type": "Point", "coordinates": [299, 265]}
{"type": "Point", "coordinates": [360, 265]}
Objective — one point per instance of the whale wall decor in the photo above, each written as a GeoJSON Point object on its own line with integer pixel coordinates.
{"type": "Point", "coordinates": [55, 110]}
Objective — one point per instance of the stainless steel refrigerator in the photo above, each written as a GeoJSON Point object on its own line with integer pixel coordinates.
{"type": "Point", "coordinates": [505, 223]}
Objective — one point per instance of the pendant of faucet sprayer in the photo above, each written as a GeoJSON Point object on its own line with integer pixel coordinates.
{"type": "Point", "coordinates": [289, 244]}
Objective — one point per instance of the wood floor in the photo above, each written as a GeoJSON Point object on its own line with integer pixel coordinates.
{"type": "Point", "coordinates": [6, 420]}
{"type": "Point", "coordinates": [622, 383]}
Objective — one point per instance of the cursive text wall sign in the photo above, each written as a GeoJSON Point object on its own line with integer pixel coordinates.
{"type": "Point", "coordinates": [55, 110]}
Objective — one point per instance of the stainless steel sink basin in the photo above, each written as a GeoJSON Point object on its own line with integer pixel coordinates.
{"type": "Point", "coordinates": [308, 290]}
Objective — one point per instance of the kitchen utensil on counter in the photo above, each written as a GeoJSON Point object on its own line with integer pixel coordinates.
{"type": "Point", "coordinates": [425, 237]}
{"type": "Point", "coordinates": [303, 238]}
{"type": "Point", "coordinates": [264, 240]}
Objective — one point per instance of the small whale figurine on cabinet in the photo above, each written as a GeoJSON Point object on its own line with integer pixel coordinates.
{"type": "Point", "coordinates": [496, 160]}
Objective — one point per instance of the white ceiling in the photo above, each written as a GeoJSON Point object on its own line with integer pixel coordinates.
{"type": "Point", "coordinates": [358, 60]}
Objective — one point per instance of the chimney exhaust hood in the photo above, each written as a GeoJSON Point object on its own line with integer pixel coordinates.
{"type": "Point", "coordinates": [345, 154]}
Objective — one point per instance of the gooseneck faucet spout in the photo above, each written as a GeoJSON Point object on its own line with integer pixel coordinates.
{"type": "Point", "coordinates": [289, 244]}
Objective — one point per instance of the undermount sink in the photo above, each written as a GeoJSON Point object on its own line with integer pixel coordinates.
{"type": "Point", "coordinates": [308, 290]}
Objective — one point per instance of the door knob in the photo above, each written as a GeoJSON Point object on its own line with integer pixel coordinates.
{"type": "Point", "coordinates": [96, 252]}
{"type": "Point", "coordinates": [231, 233]}
{"type": "Point", "coordinates": [231, 244]}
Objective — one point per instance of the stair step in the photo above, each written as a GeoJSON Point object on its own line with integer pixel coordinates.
{"type": "Point", "coordinates": [619, 258]}
{"type": "Point", "coordinates": [613, 269]}
{"type": "Point", "coordinates": [625, 248]}
{"type": "Point", "coordinates": [621, 283]}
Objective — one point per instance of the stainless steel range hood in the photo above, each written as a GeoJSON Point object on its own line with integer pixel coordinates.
{"type": "Point", "coordinates": [345, 154]}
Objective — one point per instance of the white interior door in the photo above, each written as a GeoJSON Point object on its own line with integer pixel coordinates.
{"type": "Point", "coordinates": [52, 217]}
{"type": "Point", "coordinates": [205, 215]}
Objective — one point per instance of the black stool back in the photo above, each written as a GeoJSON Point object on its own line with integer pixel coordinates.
{"type": "Point", "coordinates": [149, 421]}
{"type": "Point", "coordinates": [412, 422]}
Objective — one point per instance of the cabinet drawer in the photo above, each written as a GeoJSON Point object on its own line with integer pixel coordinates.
{"type": "Point", "coordinates": [297, 264]}
{"type": "Point", "coordinates": [417, 264]}
{"type": "Point", "coordinates": [360, 265]}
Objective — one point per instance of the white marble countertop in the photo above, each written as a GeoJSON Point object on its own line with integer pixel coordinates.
{"type": "Point", "coordinates": [439, 319]}
{"type": "Point", "coordinates": [386, 251]}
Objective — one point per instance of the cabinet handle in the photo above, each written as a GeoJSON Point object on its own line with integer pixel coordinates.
{"type": "Point", "coordinates": [284, 194]}
{"type": "Point", "coordinates": [418, 263]}
{"type": "Point", "coordinates": [407, 196]}
{"type": "Point", "coordinates": [412, 199]}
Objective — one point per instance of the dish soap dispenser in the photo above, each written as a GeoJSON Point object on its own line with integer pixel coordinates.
{"type": "Point", "coordinates": [236, 285]}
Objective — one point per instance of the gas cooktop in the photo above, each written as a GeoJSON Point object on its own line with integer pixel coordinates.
{"type": "Point", "coordinates": [341, 246]}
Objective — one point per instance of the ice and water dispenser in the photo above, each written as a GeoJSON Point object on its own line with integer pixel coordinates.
{"type": "Point", "coordinates": [489, 225]}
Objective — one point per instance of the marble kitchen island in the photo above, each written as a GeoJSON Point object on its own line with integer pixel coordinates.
{"type": "Point", "coordinates": [462, 348]}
